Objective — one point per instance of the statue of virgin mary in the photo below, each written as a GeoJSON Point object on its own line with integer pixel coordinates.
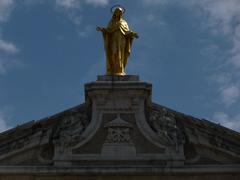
{"type": "Point", "coordinates": [117, 43]}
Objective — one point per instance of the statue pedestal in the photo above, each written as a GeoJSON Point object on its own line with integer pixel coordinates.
{"type": "Point", "coordinates": [119, 130]}
{"type": "Point", "coordinates": [118, 78]}
{"type": "Point", "coordinates": [118, 92]}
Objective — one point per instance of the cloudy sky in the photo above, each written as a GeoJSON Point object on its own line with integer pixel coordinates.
{"type": "Point", "coordinates": [189, 50]}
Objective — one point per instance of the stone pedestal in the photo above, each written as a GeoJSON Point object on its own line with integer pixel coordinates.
{"type": "Point", "coordinates": [119, 130]}
{"type": "Point", "coordinates": [116, 92]}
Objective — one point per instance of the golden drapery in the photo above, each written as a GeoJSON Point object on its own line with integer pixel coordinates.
{"type": "Point", "coordinates": [117, 43]}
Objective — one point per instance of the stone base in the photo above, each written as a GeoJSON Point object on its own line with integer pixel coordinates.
{"type": "Point", "coordinates": [118, 150]}
{"type": "Point", "coordinates": [118, 78]}
{"type": "Point", "coordinates": [126, 88]}
{"type": "Point", "coordinates": [223, 172]}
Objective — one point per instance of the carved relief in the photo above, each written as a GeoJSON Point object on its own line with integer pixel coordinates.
{"type": "Point", "coordinates": [164, 124]}
{"type": "Point", "coordinates": [68, 132]}
{"type": "Point", "coordinates": [118, 131]}
{"type": "Point", "coordinates": [118, 141]}
{"type": "Point", "coordinates": [20, 143]}
{"type": "Point", "coordinates": [15, 145]}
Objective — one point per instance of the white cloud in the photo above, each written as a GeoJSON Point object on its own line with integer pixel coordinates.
{"type": "Point", "coordinates": [72, 9]}
{"type": "Point", "coordinates": [86, 31]}
{"type": "Point", "coordinates": [221, 13]}
{"type": "Point", "coordinates": [3, 123]}
{"type": "Point", "coordinates": [32, 2]}
{"type": "Point", "coordinates": [235, 59]}
{"type": "Point", "coordinates": [223, 17]}
{"type": "Point", "coordinates": [97, 2]}
{"type": "Point", "coordinates": [156, 2]}
{"type": "Point", "coordinates": [8, 63]}
{"type": "Point", "coordinates": [7, 56]}
{"type": "Point", "coordinates": [2, 67]}
{"type": "Point", "coordinates": [222, 79]}
{"type": "Point", "coordinates": [68, 4]}
{"type": "Point", "coordinates": [225, 120]}
{"type": "Point", "coordinates": [6, 7]}
{"type": "Point", "coordinates": [230, 95]}
{"type": "Point", "coordinates": [7, 47]}
{"type": "Point", "coordinates": [75, 18]}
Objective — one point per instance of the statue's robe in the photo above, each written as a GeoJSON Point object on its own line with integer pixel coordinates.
{"type": "Point", "coordinates": [117, 41]}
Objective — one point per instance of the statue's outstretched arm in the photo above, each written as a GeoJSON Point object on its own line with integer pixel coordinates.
{"type": "Point", "coordinates": [102, 29]}
{"type": "Point", "coordinates": [133, 34]}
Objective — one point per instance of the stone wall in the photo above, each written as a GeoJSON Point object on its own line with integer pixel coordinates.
{"type": "Point", "coordinates": [118, 133]}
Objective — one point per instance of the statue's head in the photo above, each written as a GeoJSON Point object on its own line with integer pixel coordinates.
{"type": "Point", "coordinates": [118, 13]}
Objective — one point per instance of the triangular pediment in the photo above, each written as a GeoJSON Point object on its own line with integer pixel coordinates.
{"type": "Point", "coordinates": [120, 125]}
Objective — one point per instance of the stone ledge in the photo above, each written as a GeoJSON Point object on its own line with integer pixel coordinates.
{"type": "Point", "coordinates": [118, 78]}
{"type": "Point", "coordinates": [110, 85]}
{"type": "Point", "coordinates": [135, 170]}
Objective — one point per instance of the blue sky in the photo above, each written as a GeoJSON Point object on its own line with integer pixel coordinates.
{"type": "Point", "coordinates": [189, 50]}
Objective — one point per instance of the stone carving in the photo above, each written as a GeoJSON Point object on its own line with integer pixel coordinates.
{"type": "Point", "coordinates": [69, 131]}
{"type": "Point", "coordinates": [20, 143]}
{"type": "Point", "coordinates": [164, 124]}
{"type": "Point", "coordinates": [15, 145]}
{"type": "Point", "coordinates": [118, 141]}
{"type": "Point", "coordinates": [118, 131]}
{"type": "Point", "coordinates": [118, 135]}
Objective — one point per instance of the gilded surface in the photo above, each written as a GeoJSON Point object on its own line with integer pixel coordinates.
{"type": "Point", "coordinates": [117, 43]}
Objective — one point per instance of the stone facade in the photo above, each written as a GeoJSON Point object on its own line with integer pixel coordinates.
{"type": "Point", "coordinates": [119, 133]}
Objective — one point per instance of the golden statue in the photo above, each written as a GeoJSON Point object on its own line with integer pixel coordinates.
{"type": "Point", "coordinates": [117, 42]}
